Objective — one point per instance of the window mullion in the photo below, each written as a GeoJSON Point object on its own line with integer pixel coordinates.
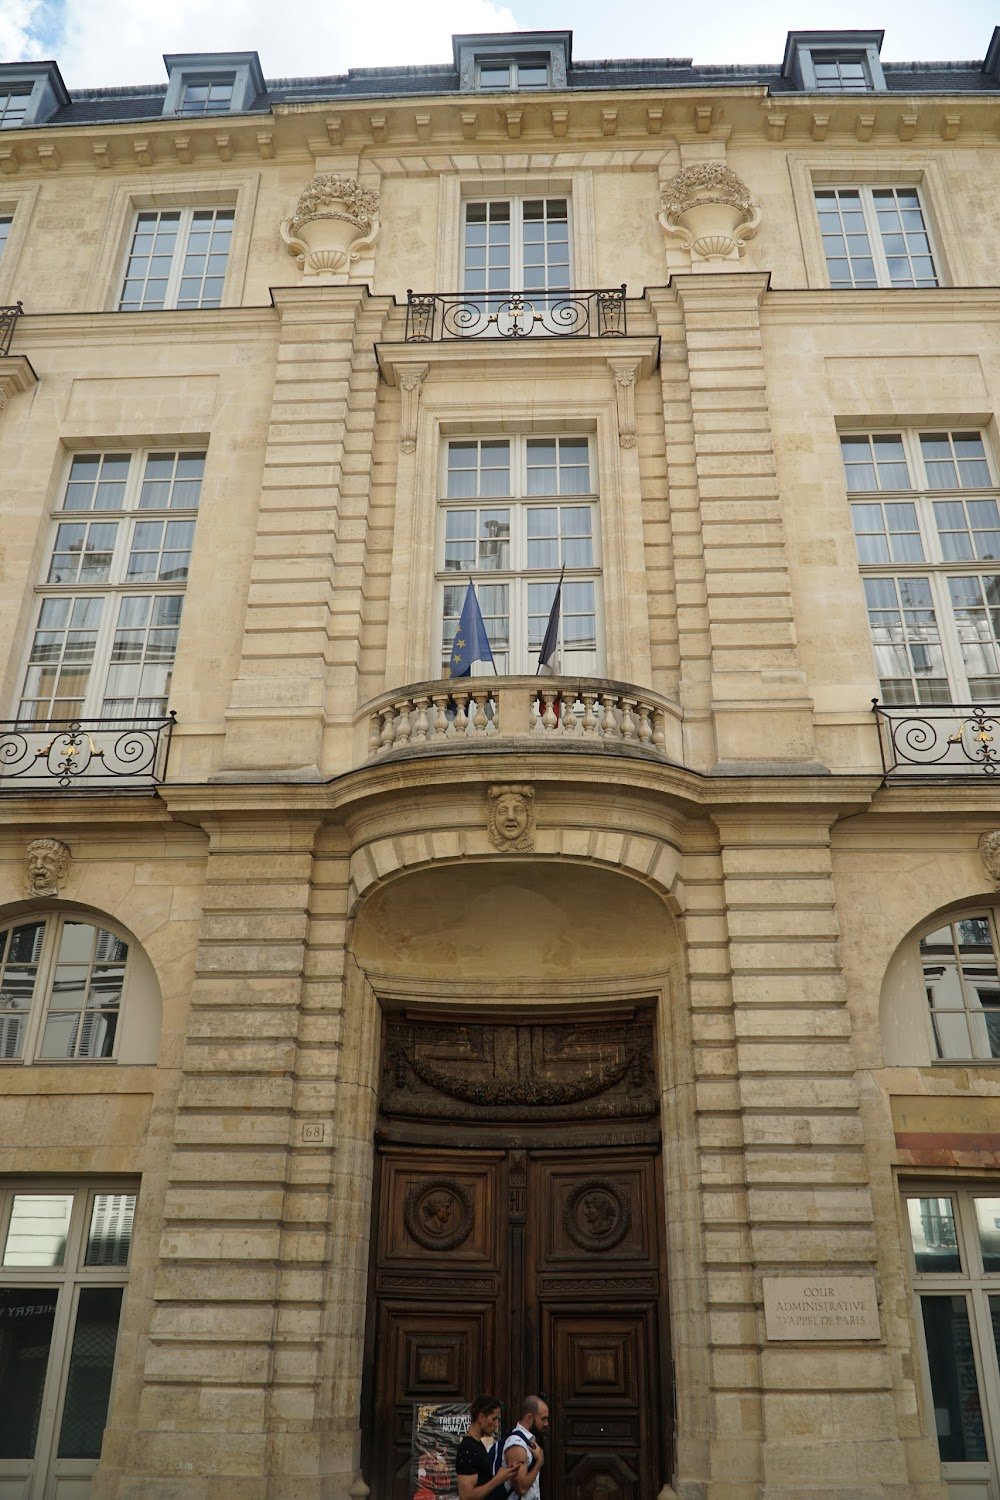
{"type": "Point", "coordinates": [101, 664]}
{"type": "Point", "coordinates": [39, 996]}
{"type": "Point", "coordinates": [517, 250]}
{"type": "Point", "coordinates": [177, 260]}
{"type": "Point", "coordinates": [875, 237]}
{"type": "Point", "coordinates": [948, 630]}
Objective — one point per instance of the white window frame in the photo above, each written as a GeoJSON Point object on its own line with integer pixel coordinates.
{"type": "Point", "coordinates": [514, 63]}
{"type": "Point", "coordinates": [41, 997]}
{"type": "Point", "coordinates": [821, 59]}
{"type": "Point", "coordinates": [517, 201]}
{"type": "Point", "coordinates": [15, 119]}
{"type": "Point", "coordinates": [873, 231]}
{"type": "Point", "coordinates": [186, 224]}
{"type": "Point", "coordinates": [209, 80]}
{"type": "Point", "coordinates": [935, 568]}
{"type": "Point", "coordinates": [522, 659]}
{"type": "Point", "coordinates": [116, 587]}
{"type": "Point", "coordinates": [39, 1476]}
{"type": "Point", "coordinates": [977, 1032]}
{"type": "Point", "coordinates": [6, 225]}
{"type": "Point", "coordinates": [975, 1286]}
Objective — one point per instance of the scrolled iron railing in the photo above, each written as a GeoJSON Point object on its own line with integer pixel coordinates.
{"type": "Point", "coordinates": [8, 320]}
{"type": "Point", "coordinates": [84, 753]}
{"type": "Point", "coordinates": [950, 739]}
{"type": "Point", "coordinates": [434, 316]}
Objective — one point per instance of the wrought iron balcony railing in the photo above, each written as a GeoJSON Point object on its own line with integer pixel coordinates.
{"type": "Point", "coordinates": [8, 318]}
{"type": "Point", "coordinates": [86, 753]}
{"type": "Point", "coordinates": [948, 739]}
{"type": "Point", "coordinates": [433, 316]}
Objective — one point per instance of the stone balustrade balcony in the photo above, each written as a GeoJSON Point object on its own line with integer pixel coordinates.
{"type": "Point", "coordinates": [453, 715]}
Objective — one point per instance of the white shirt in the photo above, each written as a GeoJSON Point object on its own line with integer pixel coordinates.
{"type": "Point", "coordinates": [522, 1439]}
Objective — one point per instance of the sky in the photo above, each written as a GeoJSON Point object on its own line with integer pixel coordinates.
{"type": "Point", "coordinates": [113, 42]}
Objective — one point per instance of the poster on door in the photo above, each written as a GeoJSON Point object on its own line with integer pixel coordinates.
{"type": "Point", "coordinates": [437, 1432]}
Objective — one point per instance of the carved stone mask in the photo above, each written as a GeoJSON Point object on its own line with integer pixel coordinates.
{"type": "Point", "coordinates": [46, 864]}
{"type": "Point", "coordinates": [510, 821]}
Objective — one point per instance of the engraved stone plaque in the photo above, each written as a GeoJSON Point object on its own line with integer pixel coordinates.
{"type": "Point", "coordinates": [821, 1307]}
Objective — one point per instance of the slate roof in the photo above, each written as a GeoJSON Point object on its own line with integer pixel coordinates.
{"type": "Point", "coordinates": [126, 105]}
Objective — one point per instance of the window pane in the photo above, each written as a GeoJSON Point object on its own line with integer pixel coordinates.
{"type": "Point", "coordinates": [934, 1236]}
{"type": "Point", "coordinates": [26, 1319]}
{"type": "Point", "coordinates": [954, 1382]}
{"type": "Point", "coordinates": [110, 1233]}
{"type": "Point", "coordinates": [39, 1224]}
{"type": "Point", "coordinates": [988, 1225]}
{"type": "Point", "coordinates": [91, 1366]}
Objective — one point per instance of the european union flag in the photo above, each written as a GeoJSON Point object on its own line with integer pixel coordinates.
{"type": "Point", "coordinates": [471, 642]}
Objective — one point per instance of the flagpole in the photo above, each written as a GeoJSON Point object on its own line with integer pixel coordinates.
{"type": "Point", "coordinates": [492, 662]}
{"type": "Point", "coordinates": [555, 596]}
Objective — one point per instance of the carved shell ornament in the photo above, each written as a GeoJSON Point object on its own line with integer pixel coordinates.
{"type": "Point", "coordinates": [334, 220]}
{"type": "Point", "coordinates": [710, 210]}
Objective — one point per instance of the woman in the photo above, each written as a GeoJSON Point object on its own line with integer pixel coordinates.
{"type": "Point", "coordinates": [473, 1464]}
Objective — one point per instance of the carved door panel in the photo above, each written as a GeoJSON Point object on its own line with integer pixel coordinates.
{"type": "Point", "coordinates": [596, 1277]}
{"type": "Point", "coordinates": [437, 1333]}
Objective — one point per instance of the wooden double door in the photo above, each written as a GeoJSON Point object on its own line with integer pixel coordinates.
{"type": "Point", "coordinates": [516, 1269]}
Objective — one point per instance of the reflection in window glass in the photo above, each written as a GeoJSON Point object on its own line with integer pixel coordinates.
{"type": "Point", "coordinates": [39, 1224]}
{"type": "Point", "coordinates": [954, 1381]}
{"type": "Point", "coordinates": [20, 949]}
{"type": "Point", "coordinates": [26, 1318]}
{"type": "Point", "coordinates": [932, 1230]}
{"type": "Point", "coordinates": [988, 1225]}
{"type": "Point", "coordinates": [91, 1366]}
{"type": "Point", "coordinates": [962, 981]}
{"type": "Point", "coordinates": [110, 1233]}
{"type": "Point", "coordinates": [86, 993]}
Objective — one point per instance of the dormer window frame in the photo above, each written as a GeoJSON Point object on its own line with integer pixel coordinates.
{"type": "Point", "coordinates": [551, 50]}
{"type": "Point", "coordinates": [185, 69]}
{"type": "Point", "coordinates": [804, 50]}
{"type": "Point", "coordinates": [40, 84]}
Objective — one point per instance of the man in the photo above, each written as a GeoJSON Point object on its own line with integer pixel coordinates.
{"type": "Point", "coordinates": [522, 1450]}
{"type": "Point", "coordinates": [473, 1465]}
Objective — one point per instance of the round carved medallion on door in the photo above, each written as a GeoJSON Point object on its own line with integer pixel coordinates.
{"type": "Point", "coordinates": [439, 1213]}
{"type": "Point", "coordinates": [597, 1215]}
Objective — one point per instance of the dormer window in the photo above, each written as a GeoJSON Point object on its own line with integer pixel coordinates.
{"type": "Point", "coordinates": [844, 74]}
{"type": "Point", "coordinates": [212, 83]}
{"type": "Point", "coordinates": [509, 62]}
{"type": "Point", "coordinates": [512, 74]}
{"type": "Point", "coordinates": [30, 94]}
{"type": "Point", "coordinates": [14, 105]}
{"type": "Point", "coordinates": [834, 62]}
{"type": "Point", "coordinates": [207, 96]}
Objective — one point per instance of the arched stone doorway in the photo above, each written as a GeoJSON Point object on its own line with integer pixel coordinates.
{"type": "Point", "coordinates": [518, 1227]}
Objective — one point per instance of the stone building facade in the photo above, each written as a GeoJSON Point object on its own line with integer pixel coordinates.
{"type": "Point", "coordinates": [371, 1036]}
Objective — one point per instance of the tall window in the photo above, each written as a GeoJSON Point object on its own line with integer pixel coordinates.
{"type": "Point", "coordinates": [6, 220]}
{"type": "Point", "coordinates": [514, 510]}
{"type": "Point", "coordinates": [955, 1247]}
{"type": "Point", "coordinates": [62, 1281]}
{"type": "Point", "coordinates": [207, 96]}
{"type": "Point", "coordinates": [928, 540]}
{"type": "Point", "coordinates": [962, 980]}
{"type": "Point", "coordinates": [177, 259]}
{"type": "Point", "coordinates": [519, 243]}
{"type": "Point", "coordinates": [14, 105]}
{"type": "Point", "coordinates": [875, 236]}
{"type": "Point", "coordinates": [112, 590]}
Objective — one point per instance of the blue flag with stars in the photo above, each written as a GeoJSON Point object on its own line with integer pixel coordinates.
{"type": "Point", "coordinates": [471, 642]}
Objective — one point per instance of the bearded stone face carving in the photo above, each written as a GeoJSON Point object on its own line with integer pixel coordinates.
{"type": "Point", "coordinates": [46, 866]}
{"type": "Point", "coordinates": [511, 817]}
{"type": "Point", "coordinates": [989, 849]}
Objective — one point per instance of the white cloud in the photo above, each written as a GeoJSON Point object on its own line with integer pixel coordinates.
{"type": "Point", "coordinates": [122, 41]}
{"type": "Point", "coordinates": [18, 20]}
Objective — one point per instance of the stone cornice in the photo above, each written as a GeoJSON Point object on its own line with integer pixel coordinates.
{"type": "Point", "coordinates": [898, 306]}
{"type": "Point", "coordinates": [514, 359]}
{"type": "Point", "coordinates": [56, 330]}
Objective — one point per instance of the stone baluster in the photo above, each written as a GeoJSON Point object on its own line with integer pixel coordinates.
{"type": "Point", "coordinates": [374, 735]}
{"type": "Point", "coordinates": [403, 725]}
{"type": "Point", "coordinates": [422, 725]}
{"type": "Point", "coordinates": [570, 722]}
{"type": "Point", "coordinates": [480, 720]}
{"type": "Point", "coordinates": [549, 720]}
{"type": "Point", "coordinates": [645, 725]}
{"type": "Point", "coordinates": [628, 723]}
{"type": "Point", "coordinates": [461, 724]}
{"type": "Point", "coordinates": [609, 724]}
{"type": "Point", "coordinates": [388, 728]}
{"type": "Point", "coordinates": [659, 732]}
{"type": "Point", "coordinates": [440, 701]}
{"type": "Point", "coordinates": [589, 724]}
{"type": "Point", "coordinates": [535, 715]}
{"type": "Point", "coordinates": [495, 696]}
